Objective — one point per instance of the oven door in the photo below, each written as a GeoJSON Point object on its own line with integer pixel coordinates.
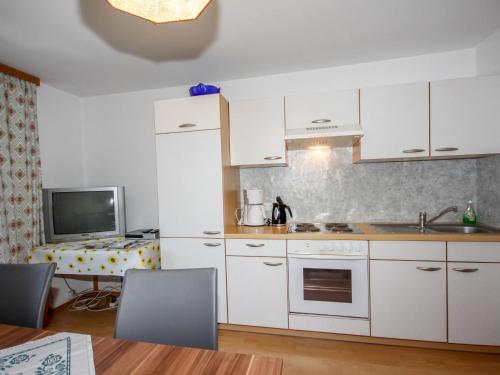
{"type": "Point", "coordinates": [326, 286]}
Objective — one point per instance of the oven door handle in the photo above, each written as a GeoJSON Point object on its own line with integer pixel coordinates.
{"type": "Point", "coordinates": [329, 257]}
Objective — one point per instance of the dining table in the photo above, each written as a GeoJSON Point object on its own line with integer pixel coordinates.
{"type": "Point", "coordinates": [116, 356]}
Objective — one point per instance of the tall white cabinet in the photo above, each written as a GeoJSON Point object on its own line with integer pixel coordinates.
{"type": "Point", "coordinates": [197, 188]}
{"type": "Point", "coordinates": [189, 175]}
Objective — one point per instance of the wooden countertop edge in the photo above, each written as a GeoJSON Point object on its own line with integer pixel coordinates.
{"type": "Point", "coordinates": [369, 234]}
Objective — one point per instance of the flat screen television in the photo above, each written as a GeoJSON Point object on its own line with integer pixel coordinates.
{"type": "Point", "coordinates": [76, 214]}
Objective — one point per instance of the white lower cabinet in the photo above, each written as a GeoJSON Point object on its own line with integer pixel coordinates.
{"type": "Point", "coordinates": [408, 299]}
{"type": "Point", "coordinates": [474, 303]}
{"type": "Point", "coordinates": [178, 253]}
{"type": "Point", "coordinates": [257, 291]}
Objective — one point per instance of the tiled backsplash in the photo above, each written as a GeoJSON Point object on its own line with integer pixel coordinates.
{"type": "Point", "coordinates": [488, 190]}
{"type": "Point", "coordinates": [325, 182]}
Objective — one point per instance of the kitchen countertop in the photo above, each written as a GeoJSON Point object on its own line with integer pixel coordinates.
{"type": "Point", "coordinates": [369, 233]}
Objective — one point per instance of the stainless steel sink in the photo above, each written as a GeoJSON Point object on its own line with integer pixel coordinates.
{"type": "Point", "coordinates": [435, 228]}
{"type": "Point", "coordinates": [397, 228]}
{"type": "Point", "coordinates": [462, 228]}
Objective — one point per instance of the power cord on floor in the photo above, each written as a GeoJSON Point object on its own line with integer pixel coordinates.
{"type": "Point", "coordinates": [95, 300]}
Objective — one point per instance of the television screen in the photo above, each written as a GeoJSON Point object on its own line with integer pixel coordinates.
{"type": "Point", "coordinates": [83, 212]}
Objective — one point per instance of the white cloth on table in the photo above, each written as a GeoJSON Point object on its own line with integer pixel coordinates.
{"type": "Point", "coordinates": [59, 354]}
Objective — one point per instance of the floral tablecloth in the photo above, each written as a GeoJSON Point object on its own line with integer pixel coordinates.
{"type": "Point", "coordinates": [82, 258]}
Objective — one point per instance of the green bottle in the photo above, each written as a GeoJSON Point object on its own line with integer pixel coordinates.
{"type": "Point", "coordinates": [470, 216]}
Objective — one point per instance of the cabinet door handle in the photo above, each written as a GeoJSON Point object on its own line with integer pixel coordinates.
{"type": "Point", "coordinates": [273, 264]}
{"type": "Point", "coordinates": [413, 151]}
{"type": "Point", "coordinates": [187, 125]}
{"type": "Point", "coordinates": [272, 158]}
{"type": "Point", "coordinates": [255, 244]}
{"type": "Point", "coordinates": [211, 232]}
{"type": "Point", "coordinates": [466, 270]}
{"type": "Point", "coordinates": [321, 121]}
{"type": "Point", "coordinates": [429, 268]}
{"type": "Point", "coordinates": [444, 149]}
{"type": "Point", "coordinates": [212, 244]}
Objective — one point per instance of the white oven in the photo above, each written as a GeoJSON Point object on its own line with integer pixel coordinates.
{"type": "Point", "coordinates": [328, 277]}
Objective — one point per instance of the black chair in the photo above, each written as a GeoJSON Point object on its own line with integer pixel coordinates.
{"type": "Point", "coordinates": [176, 307]}
{"type": "Point", "coordinates": [23, 293]}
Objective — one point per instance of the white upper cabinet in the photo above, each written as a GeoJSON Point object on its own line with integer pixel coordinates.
{"type": "Point", "coordinates": [465, 119]}
{"type": "Point", "coordinates": [324, 109]}
{"type": "Point", "coordinates": [257, 132]}
{"type": "Point", "coordinates": [189, 170]}
{"type": "Point", "coordinates": [395, 121]}
{"type": "Point", "coordinates": [188, 114]}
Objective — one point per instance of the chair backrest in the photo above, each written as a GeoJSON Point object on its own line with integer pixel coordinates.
{"type": "Point", "coordinates": [23, 293]}
{"type": "Point", "coordinates": [176, 307]}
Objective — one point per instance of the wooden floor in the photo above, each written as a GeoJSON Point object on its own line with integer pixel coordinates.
{"type": "Point", "coordinates": [315, 356]}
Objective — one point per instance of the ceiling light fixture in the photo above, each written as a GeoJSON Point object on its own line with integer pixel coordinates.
{"type": "Point", "coordinates": [161, 11]}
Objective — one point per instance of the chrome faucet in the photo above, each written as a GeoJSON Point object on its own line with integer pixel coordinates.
{"type": "Point", "coordinates": [422, 217]}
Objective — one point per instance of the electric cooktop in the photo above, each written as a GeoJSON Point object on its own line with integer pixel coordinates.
{"type": "Point", "coordinates": [311, 227]}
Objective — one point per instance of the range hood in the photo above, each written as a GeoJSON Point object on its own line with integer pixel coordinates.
{"type": "Point", "coordinates": [323, 136]}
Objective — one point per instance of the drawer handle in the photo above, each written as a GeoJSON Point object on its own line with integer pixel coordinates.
{"type": "Point", "coordinates": [211, 232]}
{"type": "Point", "coordinates": [187, 125]}
{"type": "Point", "coordinates": [321, 121]}
{"type": "Point", "coordinates": [466, 270]}
{"type": "Point", "coordinates": [444, 149]}
{"type": "Point", "coordinates": [255, 244]}
{"type": "Point", "coordinates": [212, 244]}
{"type": "Point", "coordinates": [273, 264]}
{"type": "Point", "coordinates": [430, 269]}
{"type": "Point", "coordinates": [413, 151]}
{"type": "Point", "coordinates": [272, 158]}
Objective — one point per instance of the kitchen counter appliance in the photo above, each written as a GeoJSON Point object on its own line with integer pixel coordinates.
{"type": "Point", "coordinates": [328, 277]}
{"type": "Point", "coordinates": [321, 227]}
{"type": "Point", "coordinates": [279, 212]}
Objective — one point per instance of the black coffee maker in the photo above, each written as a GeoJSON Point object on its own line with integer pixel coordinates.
{"type": "Point", "coordinates": [279, 212]}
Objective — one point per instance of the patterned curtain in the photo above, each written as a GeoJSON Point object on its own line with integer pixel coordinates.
{"type": "Point", "coordinates": [21, 224]}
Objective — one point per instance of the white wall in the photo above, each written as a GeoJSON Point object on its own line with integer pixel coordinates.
{"type": "Point", "coordinates": [60, 132]}
{"type": "Point", "coordinates": [118, 129]}
{"type": "Point", "coordinates": [488, 55]}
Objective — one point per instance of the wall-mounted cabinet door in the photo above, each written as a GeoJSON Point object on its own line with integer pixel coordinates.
{"type": "Point", "coordinates": [189, 170]}
{"type": "Point", "coordinates": [257, 291]}
{"type": "Point", "coordinates": [395, 121]}
{"type": "Point", "coordinates": [408, 299]}
{"type": "Point", "coordinates": [324, 109]}
{"type": "Point", "coordinates": [187, 114]}
{"type": "Point", "coordinates": [465, 119]}
{"type": "Point", "coordinates": [178, 253]}
{"type": "Point", "coordinates": [474, 303]}
{"type": "Point", "coordinates": [257, 132]}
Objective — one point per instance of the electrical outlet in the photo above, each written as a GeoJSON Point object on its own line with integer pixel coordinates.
{"type": "Point", "coordinates": [70, 294]}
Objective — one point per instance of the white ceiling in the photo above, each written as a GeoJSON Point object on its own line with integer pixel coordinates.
{"type": "Point", "coordinates": [87, 48]}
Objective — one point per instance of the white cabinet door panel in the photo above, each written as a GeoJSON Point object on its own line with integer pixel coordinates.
{"type": "Point", "coordinates": [395, 121]}
{"type": "Point", "coordinates": [187, 114]}
{"type": "Point", "coordinates": [465, 116]}
{"type": "Point", "coordinates": [257, 291]}
{"type": "Point", "coordinates": [258, 132]}
{"type": "Point", "coordinates": [189, 172]}
{"type": "Point", "coordinates": [474, 303]}
{"type": "Point", "coordinates": [408, 299]}
{"type": "Point", "coordinates": [179, 253]}
{"type": "Point", "coordinates": [336, 107]}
